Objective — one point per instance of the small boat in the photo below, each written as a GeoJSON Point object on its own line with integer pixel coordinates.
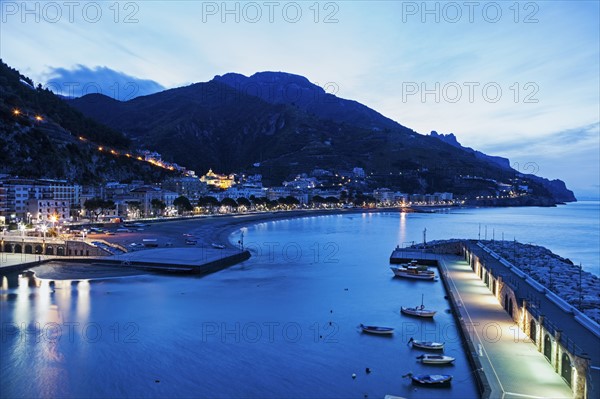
{"type": "Point", "coordinates": [430, 380]}
{"type": "Point", "coordinates": [377, 329]}
{"type": "Point", "coordinates": [217, 246]}
{"type": "Point", "coordinates": [150, 242]}
{"type": "Point", "coordinates": [414, 271]}
{"type": "Point", "coordinates": [418, 311]}
{"type": "Point", "coordinates": [426, 344]}
{"type": "Point", "coordinates": [435, 359]}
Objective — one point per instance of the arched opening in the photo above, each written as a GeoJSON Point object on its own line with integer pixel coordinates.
{"type": "Point", "coordinates": [494, 287]}
{"type": "Point", "coordinates": [49, 250]}
{"type": "Point", "coordinates": [38, 249]}
{"type": "Point", "coordinates": [28, 249]}
{"type": "Point", "coordinates": [60, 251]}
{"type": "Point", "coordinates": [548, 347]}
{"type": "Point", "coordinates": [505, 301]}
{"type": "Point", "coordinates": [510, 307]}
{"type": "Point", "coordinates": [532, 330]}
{"type": "Point", "coordinates": [566, 369]}
{"type": "Point", "coordinates": [486, 279]}
{"type": "Point", "coordinates": [18, 249]}
{"type": "Point", "coordinates": [8, 247]}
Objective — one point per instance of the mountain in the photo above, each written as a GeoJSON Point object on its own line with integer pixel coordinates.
{"type": "Point", "coordinates": [285, 88]}
{"type": "Point", "coordinates": [42, 136]}
{"type": "Point", "coordinates": [451, 139]}
{"type": "Point", "coordinates": [557, 188]}
{"type": "Point", "coordinates": [280, 125]}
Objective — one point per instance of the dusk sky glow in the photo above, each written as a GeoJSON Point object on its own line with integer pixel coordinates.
{"type": "Point", "coordinates": [514, 79]}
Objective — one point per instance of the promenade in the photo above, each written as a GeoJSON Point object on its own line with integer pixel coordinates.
{"type": "Point", "coordinates": [513, 366]}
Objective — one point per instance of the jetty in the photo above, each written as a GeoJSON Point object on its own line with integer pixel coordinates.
{"type": "Point", "coordinates": [522, 340]}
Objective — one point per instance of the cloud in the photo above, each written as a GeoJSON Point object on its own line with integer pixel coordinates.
{"type": "Point", "coordinates": [81, 80]}
{"type": "Point", "coordinates": [572, 155]}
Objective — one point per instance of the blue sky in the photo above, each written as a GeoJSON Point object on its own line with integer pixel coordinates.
{"type": "Point", "coordinates": [517, 81]}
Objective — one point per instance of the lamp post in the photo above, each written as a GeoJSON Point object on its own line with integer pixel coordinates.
{"type": "Point", "coordinates": [44, 230]}
{"type": "Point", "coordinates": [22, 229]}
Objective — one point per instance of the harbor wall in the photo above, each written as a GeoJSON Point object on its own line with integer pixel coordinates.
{"type": "Point", "coordinates": [52, 247]}
{"type": "Point", "coordinates": [567, 359]}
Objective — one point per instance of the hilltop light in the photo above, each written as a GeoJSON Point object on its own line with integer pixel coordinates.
{"type": "Point", "coordinates": [100, 148]}
{"type": "Point", "coordinates": [16, 112]}
{"type": "Point", "coordinates": [38, 118]}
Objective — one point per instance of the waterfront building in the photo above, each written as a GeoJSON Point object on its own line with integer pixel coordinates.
{"type": "Point", "coordinates": [16, 194]}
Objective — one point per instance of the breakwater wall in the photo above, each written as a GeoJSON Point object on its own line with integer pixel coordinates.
{"type": "Point", "coordinates": [565, 336]}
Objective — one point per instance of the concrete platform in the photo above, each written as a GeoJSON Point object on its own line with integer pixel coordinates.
{"type": "Point", "coordinates": [513, 366]}
{"type": "Point", "coordinates": [178, 260]}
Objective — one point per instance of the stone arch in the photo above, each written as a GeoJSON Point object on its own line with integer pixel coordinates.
{"type": "Point", "coordinates": [494, 286]}
{"type": "Point", "coordinates": [39, 249]}
{"type": "Point", "coordinates": [566, 368]}
{"type": "Point", "coordinates": [28, 249]}
{"type": "Point", "coordinates": [60, 251]}
{"type": "Point", "coordinates": [533, 330]}
{"type": "Point", "coordinates": [8, 247]}
{"type": "Point", "coordinates": [548, 347]}
{"type": "Point", "coordinates": [49, 250]}
{"type": "Point", "coordinates": [18, 249]}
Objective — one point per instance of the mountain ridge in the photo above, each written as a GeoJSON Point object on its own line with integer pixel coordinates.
{"type": "Point", "coordinates": [235, 123]}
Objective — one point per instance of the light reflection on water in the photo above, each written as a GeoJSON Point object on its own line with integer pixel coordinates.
{"type": "Point", "coordinates": [257, 330]}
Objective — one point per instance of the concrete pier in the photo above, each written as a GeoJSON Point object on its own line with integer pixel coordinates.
{"type": "Point", "coordinates": [506, 362]}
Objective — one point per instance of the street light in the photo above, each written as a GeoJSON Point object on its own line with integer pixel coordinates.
{"type": "Point", "coordinates": [44, 230]}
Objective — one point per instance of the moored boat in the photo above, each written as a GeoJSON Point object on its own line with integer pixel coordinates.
{"type": "Point", "coordinates": [414, 271]}
{"type": "Point", "coordinates": [430, 345]}
{"type": "Point", "coordinates": [418, 311]}
{"type": "Point", "coordinates": [217, 246]}
{"type": "Point", "coordinates": [377, 329]}
{"type": "Point", "coordinates": [430, 380]}
{"type": "Point", "coordinates": [435, 359]}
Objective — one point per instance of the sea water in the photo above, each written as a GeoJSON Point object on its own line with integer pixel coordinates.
{"type": "Point", "coordinates": [283, 324]}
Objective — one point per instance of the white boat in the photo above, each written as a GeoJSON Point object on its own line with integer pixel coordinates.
{"type": "Point", "coordinates": [435, 359]}
{"type": "Point", "coordinates": [426, 344]}
{"type": "Point", "coordinates": [217, 246]}
{"type": "Point", "coordinates": [430, 380]}
{"type": "Point", "coordinates": [414, 271]}
{"type": "Point", "coordinates": [377, 329]}
{"type": "Point", "coordinates": [418, 311]}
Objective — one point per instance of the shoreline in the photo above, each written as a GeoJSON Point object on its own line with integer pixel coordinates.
{"type": "Point", "coordinates": [171, 234]}
{"type": "Point", "coordinates": [217, 229]}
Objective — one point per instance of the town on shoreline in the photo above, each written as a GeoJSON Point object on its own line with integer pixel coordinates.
{"type": "Point", "coordinates": [47, 205]}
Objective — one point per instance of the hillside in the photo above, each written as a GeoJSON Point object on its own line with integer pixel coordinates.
{"type": "Point", "coordinates": [254, 125]}
{"type": "Point", "coordinates": [42, 136]}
